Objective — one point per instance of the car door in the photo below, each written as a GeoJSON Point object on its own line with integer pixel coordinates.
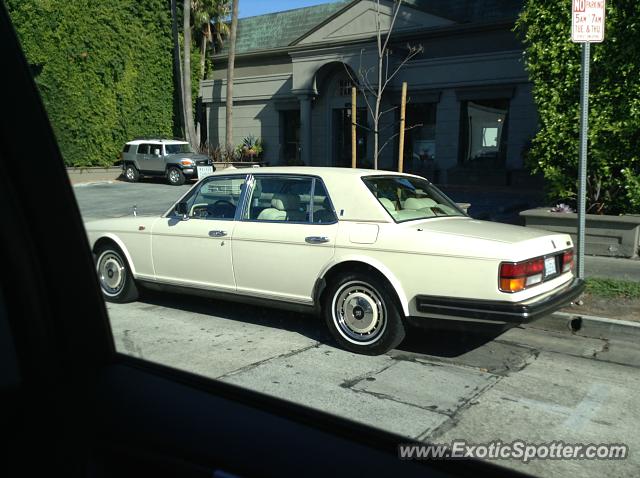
{"type": "Point", "coordinates": [155, 158]}
{"type": "Point", "coordinates": [285, 237]}
{"type": "Point", "coordinates": [195, 250]}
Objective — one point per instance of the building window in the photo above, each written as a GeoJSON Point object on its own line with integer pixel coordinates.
{"type": "Point", "coordinates": [344, 87]}
{"type": "Point", "coordinates": [484, 131]}
{"type": "Point", "coordinates": [420, 140]}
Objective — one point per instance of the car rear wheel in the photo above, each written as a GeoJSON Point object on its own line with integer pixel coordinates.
{"type": "Point", "coordinates": [114, 274]}
{"type": "Point", "coordinates": [131, 173]}
{"type": "Point", "coordinates": [362, 314]}
{"type": "Point", "coordinates": [175, 177]}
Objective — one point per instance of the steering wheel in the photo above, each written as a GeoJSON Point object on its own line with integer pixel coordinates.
{"type": "Point", "coordinates": [223, 208]}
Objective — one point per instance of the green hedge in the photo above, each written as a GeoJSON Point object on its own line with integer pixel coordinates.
{"type": "Point", "coordinates": [104, 70]}
{"type": "Point", "coordinates": [553, 64]}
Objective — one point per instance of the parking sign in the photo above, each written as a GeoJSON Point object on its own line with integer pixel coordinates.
{"type": "Point", "coordinates": [587, 21]}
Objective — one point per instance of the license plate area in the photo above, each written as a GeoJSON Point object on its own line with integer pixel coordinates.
{"type": "Point", "coordinates": [550, 266]}
{"type": "Point", "coordinates": [204, 171]}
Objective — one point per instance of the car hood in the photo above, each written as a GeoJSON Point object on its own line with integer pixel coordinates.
{"type": "Point", "coordinates": [122, 224]}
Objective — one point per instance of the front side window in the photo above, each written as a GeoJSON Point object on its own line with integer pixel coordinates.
{"type": "Point", "coordinates": [181, 148]}
{"type": "Point", "coordinates": [407, 199]}
{"type": "Point", "coordinates": [278, 198]}
{"type": "Point", "coordinates": [216, 198]}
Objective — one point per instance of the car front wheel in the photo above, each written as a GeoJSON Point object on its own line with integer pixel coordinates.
{"type": "Point", "coordinates": [175, 177]}
{"type": "Point", "coordinates": [362, 314]}
{"type": "Point", "coordinates": [114, 274]}
{"type": "Point", "coordinates": [131, 173]}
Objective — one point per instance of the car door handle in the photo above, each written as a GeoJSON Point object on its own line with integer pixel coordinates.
{"type": "Point", "coordinates": [316, 239]}
{"type": "Point", "coordinates": [217, 233]}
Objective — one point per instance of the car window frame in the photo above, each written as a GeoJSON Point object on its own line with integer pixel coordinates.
{"type": "Point", "coordinates": [169, 213]}
{"type": "Point", "coordinates": [313, 177]}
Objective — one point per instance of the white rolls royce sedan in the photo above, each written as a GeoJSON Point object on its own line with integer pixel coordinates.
{"type": "Point", "coordinates": [368, 250]}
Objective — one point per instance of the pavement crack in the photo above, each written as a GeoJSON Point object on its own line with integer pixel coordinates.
{"type": "Point", "coordinates": [352, 382]}
{"type": "Point", "coordinates": [254, 365]}
{"type": "Point", "coordinates": [454, 417]}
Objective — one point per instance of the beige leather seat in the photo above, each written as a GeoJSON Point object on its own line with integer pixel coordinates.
{"type": "Point", "coordinates": [419, 203]}
{"type": "Point", "coordinates": [388, 204]}
{"type": "Point", "coordinates": [284, 207]}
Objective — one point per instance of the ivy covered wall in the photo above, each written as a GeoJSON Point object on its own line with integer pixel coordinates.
{"type": "Point", "coordinates": [104, 71]}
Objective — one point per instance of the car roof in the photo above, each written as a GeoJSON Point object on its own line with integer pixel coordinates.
{"type": "Point", "coordinates": [321, 171]}
{"type": "Point", "coordinates": [156, 140]}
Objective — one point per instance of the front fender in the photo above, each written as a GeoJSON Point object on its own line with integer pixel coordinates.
{"type": "Point", "coordinates": [113, 237]}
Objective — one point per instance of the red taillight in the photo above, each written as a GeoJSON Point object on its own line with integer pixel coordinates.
{"type": "Point", "coordinates": [517, 276]}
{"type": "Point", "coordinates": [567, 260]}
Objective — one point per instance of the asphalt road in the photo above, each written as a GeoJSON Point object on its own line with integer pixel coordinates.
{"type": "Point", "coordinates": [478, 385]}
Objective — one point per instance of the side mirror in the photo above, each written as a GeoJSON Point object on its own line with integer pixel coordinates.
{"type": "Point", "coordinates": [182, 209]}
{"type": "Point", "coordinates": [156, 152]}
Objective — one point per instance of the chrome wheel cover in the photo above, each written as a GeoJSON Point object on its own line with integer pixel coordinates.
{"type": "Point", "coordinates": [111, 273]}
{"type": "Point", "coordinates": [359, 313]}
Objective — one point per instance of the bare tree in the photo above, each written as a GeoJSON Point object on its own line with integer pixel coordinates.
{"type": "Point", "coordinates": [372, 90]}
{"type": "Point", "coordinates": [230, 67]}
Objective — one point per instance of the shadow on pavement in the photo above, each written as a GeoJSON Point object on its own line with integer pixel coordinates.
{"type": "Point", "coordinates": [438, 339]}
{"type": "Point", "coordinates": [449, 339]}
{"type": "Point", "coordinates": [303, 324]}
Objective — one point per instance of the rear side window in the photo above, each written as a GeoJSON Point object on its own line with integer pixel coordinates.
{"type": "Point", "coordinates": [143, 149]}
{"type": "Point", "coordinates": [281, 198]}
{"type": "Point", "coordinates": [126, 148]}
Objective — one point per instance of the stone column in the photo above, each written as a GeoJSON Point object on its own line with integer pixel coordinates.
{"type": "Point", "coordinates": [305, 128]}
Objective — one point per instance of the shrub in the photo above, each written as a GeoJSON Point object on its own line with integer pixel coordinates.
{"type": "Point", "coordinates": [104, 71]}
{"type": "Point", "coordinates": [553, 63]}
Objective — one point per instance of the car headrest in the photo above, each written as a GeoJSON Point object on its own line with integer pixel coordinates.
{"type": "Point", "coordinates": [419, 203]}
{"type": "Point", "coordinates": [285, 202]}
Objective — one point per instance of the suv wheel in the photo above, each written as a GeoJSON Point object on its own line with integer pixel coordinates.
{"type": "Point", "coordinates": [175, 177]}
{"type": "Point", "coordinates": [363, 314]}
{"type": "Point", "coordinates": [131, 173]}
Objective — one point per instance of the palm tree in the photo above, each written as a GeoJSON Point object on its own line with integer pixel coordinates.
{"type": "Point", "coordinates": [230, 67]}
{"type": "Point", "coordinates": [210, 19]}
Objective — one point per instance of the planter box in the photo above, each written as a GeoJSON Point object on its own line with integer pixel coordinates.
{"type": "Point", "coordinates": [97, 173]}
{"type": "Point", "coordinates": [239, 164]}
{"type": "Point", "coordinates": [616, 236]}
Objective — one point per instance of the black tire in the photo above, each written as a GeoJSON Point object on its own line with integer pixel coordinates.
{"type": "Point", "coordinates": [131, 173]}
{"type": "Point", "coordinates": [114, 274]}
{"type": "Point", "coordinates": [175, 177]}
{"type": "Point", "coordinates": [363, 314]}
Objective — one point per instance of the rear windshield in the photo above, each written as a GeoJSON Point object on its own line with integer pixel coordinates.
{"type": "Point", "coordinates": [408, 199]}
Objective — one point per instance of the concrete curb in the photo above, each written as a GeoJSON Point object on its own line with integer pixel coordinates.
{"type": "Point", "coordinates": [591, 326]}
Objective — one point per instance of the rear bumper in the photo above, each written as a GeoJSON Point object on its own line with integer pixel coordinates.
{"type": "Point", "coordinates": [497, 311]}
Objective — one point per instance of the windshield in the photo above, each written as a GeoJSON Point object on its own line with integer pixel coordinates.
{"type": "Point", "coordinates": [181, 148]}
{"type": "Point", "coordinates": [408, 199]}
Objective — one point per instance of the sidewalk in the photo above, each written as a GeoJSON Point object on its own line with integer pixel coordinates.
{"type": "Point", "coordinates": [612, 268]}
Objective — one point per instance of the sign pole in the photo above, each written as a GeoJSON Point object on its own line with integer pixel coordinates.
{"type": "Point", "coordinates": [587, 26]}
{"type": "Point", "coordinates": [582, 177]}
